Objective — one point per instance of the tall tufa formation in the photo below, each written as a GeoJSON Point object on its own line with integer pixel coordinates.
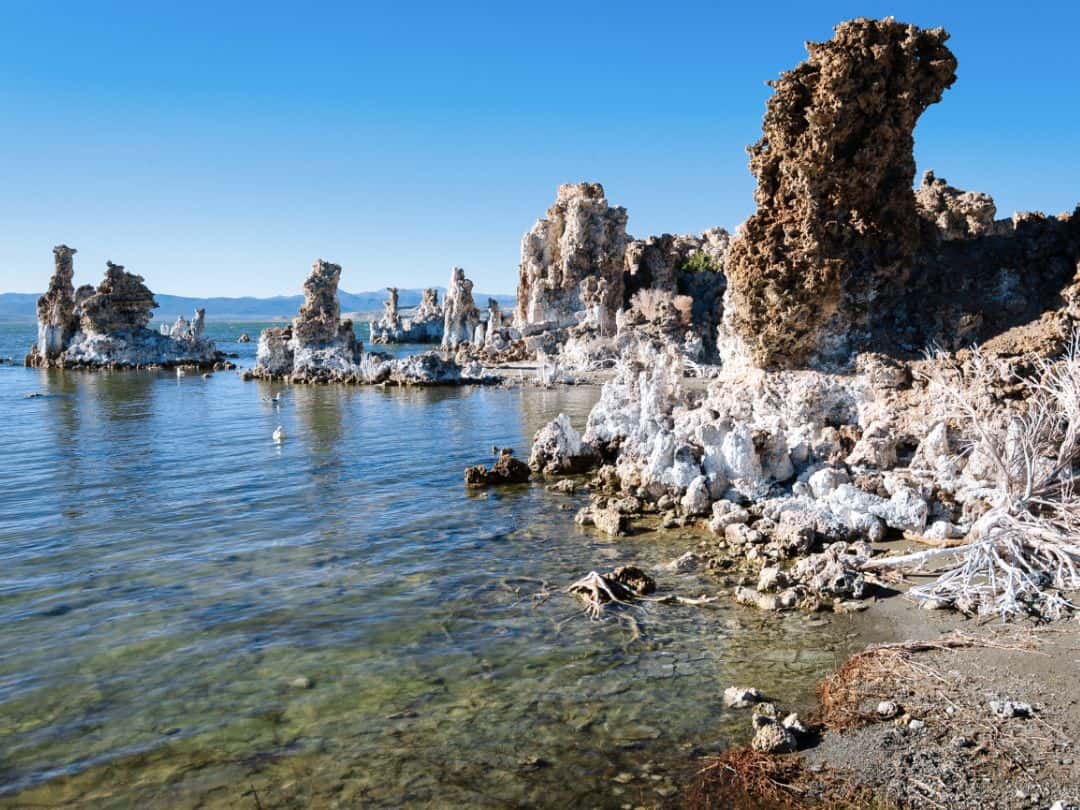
{"type": "Point", "coordinates": [319, 320]}
{"type": "Point", "coordinates": [461, 317]}
{"type": "Point", "coordinates": [317, 345]}
{"type": "Point", "coordinates": [57, 321]}
{"type": "Point", "coordinates": [581, 236]}
{"type": "Point", "coordinates": [836, 227]}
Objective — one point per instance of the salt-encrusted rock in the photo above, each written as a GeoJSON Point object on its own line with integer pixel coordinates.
{"type": "Point", "coordinates": [887, 709]}
{"type": "Point", "coordinates": [834, 572]}
{"type": "Point", "coordinates": [771, 578]}
{"type": "Point", "coordinates": [581, 236]}
{"type": "Point", "coordinates": [697, 499]}
{"type": "Point", "coordinates": [763, 714]}
{"type": "Point", "coordinates": [1011, 708]}
{"type": "Point", "coordinates": [905, 510]}
{"type": "Point", "coordinates": [875, 448]}
{"type": "Point", "coordinates": [956, 214]}
{"type": "Point", "coordinates": [793, 723]}
{"type": "Point", "coordinates": [317, 346]}
{"type": "Point", "coordinates": [726, 513]}
{"type": "Point", "coordinates": [836, 226]}
{"type": "Point", "coordinates": [461, 317]}
{"type": "Point", "coordinates": [825, 480]}
{"type": "Point", "coordinates": [608, 520]}
{"type": "Point", "coordinates": [558, 449]}
{"type": "Point", "coordinates": [107, 326]}
{"type": "Point", "coordinates": [741, 697]}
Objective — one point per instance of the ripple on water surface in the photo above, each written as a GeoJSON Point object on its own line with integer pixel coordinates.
{"type": "Point", "coordinates": [195, 615]}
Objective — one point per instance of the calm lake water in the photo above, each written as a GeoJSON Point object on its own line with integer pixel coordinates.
{"type": "Point", "coordinates": [195, 616]}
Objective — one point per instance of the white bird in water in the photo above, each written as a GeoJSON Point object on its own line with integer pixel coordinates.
{"type": "Point", "coordinates": [279, 434]}
{"type": "Point", "coordinates": [180, 372]}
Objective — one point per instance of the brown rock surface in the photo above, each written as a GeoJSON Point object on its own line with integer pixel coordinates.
{"type": "Point", "coordinates": [57, 320]}
{"type": "Point", "coordinates": [836, 225]}
{"type": "Point", "coordinates": [121, 303]}
{"type": "Point", "coordinates": [319, 319]}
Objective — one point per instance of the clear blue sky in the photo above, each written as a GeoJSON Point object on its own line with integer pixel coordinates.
{"type": "Point", "coordinates": [218, 148]}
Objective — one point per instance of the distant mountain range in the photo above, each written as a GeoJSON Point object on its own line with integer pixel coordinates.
{"type": "Point", "coordinates": [22, 307]}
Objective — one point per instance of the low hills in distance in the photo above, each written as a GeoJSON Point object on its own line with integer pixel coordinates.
{"type": "Point", "coordinates": [22, 307]}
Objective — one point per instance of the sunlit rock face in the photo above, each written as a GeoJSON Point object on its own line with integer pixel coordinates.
{"type": "Point", "coordinates": [57, 320]}
{"type": "Point", "coordinates": [461, 318]}
{"type": "Point", "coordinates": [836, 227]}
{"type": "Point", "coordinates": [581, 236]}
{"type": "Point", "coordinates": [106, 326]}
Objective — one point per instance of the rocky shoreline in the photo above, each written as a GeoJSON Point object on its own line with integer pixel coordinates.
{"type": "Point", "coordinates": [865, 367]}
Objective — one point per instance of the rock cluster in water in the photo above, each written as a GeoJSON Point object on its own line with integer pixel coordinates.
{"type": "Point", "coordinates": [107, 326]}
{"type": "Point", "coordinates": [424, 326]}
{"type": "Point", "coordinates": [319, 347]}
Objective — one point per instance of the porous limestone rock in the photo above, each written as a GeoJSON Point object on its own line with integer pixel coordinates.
{"type": "Point", "coordinates": [836, 227]}
{"type": "Point", "coordinates": [581, 236]}
{"type": "Point", "coordinates": [390, 323]}
{"type": "Point", "coordinates": [956, 214]}
{"type": "Point", "coordinates": [461, 317]}
{"type": "Point", "coordinates": [121, 303]}
{"type": "Point", "coordinates": [558, 449]}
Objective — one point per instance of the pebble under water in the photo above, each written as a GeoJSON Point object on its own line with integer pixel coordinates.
{"type": "Point", "coordinates": [195, 616]}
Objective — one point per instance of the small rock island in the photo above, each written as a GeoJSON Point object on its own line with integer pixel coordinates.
{"type": "Point", "coordinates": [108, 326]}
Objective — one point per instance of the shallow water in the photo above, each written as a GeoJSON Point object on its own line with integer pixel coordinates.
{"type": "Point", "coordinates": [168, 575]}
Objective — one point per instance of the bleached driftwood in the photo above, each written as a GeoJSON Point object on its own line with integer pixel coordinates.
{"type": "Point", "coordinates": [1024, 551]}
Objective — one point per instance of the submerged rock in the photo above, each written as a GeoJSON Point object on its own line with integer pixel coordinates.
{"type": "Point", "coordinates": [506, 470]}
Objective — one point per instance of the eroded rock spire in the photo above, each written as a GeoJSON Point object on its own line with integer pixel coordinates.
{"type": "Point", "coordinates": [836, 226]}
